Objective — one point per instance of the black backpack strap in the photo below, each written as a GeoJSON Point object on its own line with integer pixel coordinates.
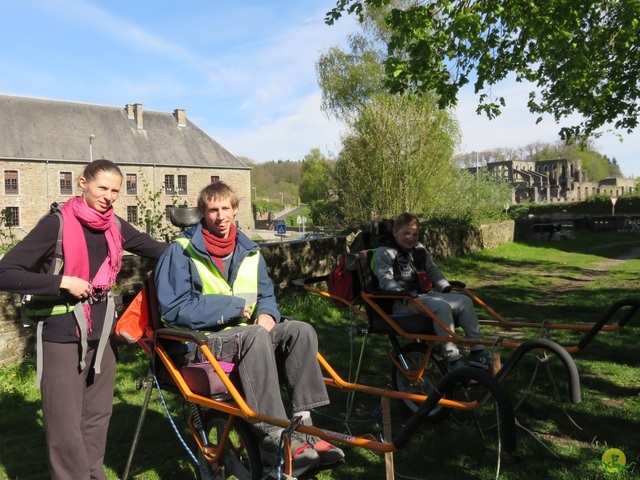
{"type": "Point", "coordinates": [56, 264]}
{"type": "Point", "coordinates": [54, 268]}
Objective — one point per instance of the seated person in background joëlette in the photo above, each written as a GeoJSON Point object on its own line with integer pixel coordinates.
{"type": "Point", "coordinates": [214, 278]}
{"type": "Point", "coordinates": [402, 263]}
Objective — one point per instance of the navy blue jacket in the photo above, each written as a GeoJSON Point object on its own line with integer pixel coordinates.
{"type": "Point", "coordinates": [179, 287]}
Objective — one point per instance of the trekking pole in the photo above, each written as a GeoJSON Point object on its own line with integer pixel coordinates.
{"type": "Point", "coordinates": [148, 384]}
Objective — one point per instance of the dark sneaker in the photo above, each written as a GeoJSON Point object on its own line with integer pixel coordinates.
{"type": "Point", "coordinates": [303, 456]}
{"type": "Point", "coordinates": [481, 359]}
{"type": "Point", "coordinates": [457, 363]}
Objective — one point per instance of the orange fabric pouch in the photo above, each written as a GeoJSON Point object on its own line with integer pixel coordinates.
{"type": "Point", "coordinates": [133, 323]}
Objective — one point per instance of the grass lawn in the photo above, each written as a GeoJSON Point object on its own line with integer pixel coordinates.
{"type": "Point", "coordinates": [573, 281]}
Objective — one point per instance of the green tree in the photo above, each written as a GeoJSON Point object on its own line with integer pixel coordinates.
{"type": "Point", "coordinates": [7, 237]}
{"type": "Point", "coordinates": [315, 175]}
{"type": "Point", "coordinates": [614, 167]}
{"type": "Point", "coordinates": [152, 213]}
{"type": "Point", "coordinates": [260, 207]}
{"type": "Point", "coordinates": [477, 198]}
{"type": "Point", "coordinates": [396, 158]}
{"type": "Point", "coordinates": [580, 57]}
{"type": "Point", "coordinates": [272, 178]}
{"type": "Point", "coordinates": [398, 154]}
{"type": "Point", "coordinates": [327, 214]}
{"type": "Point", "coordinates": [349, 80]}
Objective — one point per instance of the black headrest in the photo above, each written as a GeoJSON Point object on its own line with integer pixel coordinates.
{"type": "Point", "coordinates": [183, 217]}
{"type": "Point", "coordinates": [382, 226]}
{"type": "Point", "coordinates": [367, 278]}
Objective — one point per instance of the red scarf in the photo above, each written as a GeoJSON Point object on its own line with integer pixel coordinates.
{"type": "Point", "coordinates": [75, 215]}
{"type": "Point", "coordinates": [218, 247]}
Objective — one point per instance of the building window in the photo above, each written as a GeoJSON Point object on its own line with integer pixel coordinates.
{"type": "Point", "coordinates": [12, 216]}
{"type": "Point", "coordinates": [182, 184]}
{"type": "Point", "coordinates": [11, 182]}
{"type": "Point", "coordinates": [167, 212]}
{"type": "Point", "coordinates": [132, 184]}
{"type": "Point", "coordinates": [132, 214]}
{"type": "Point", "coordinates": [169, 185]}
{"type": "Point", "coordinates": [215, 178]}
{"type": "Point", "coordinates": [66, 183]}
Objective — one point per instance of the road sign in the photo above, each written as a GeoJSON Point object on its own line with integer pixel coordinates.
{"type": "Point", "coordinates": [281, 229]}
{"type": "Point", "coordinates": [614, 200]}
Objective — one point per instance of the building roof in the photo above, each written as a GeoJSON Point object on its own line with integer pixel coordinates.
{"type": "Point", "coordinates": [39, 129]}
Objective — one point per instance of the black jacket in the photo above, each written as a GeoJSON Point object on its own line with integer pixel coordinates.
{"type": "Point", "coordinates": [24, 270]}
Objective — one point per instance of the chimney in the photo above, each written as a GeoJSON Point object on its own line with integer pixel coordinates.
{"type": "Point", "coordinates": [180, 117]}
{"type": "Point", "coordinates": [137, 113]}
{"type": "Point", "coordinates": [129, 108]}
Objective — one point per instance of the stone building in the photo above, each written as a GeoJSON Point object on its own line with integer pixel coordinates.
{"type": "Point", "coordinates": [164, 157]}
{"type": "Point", "coordinates": [558, 180]}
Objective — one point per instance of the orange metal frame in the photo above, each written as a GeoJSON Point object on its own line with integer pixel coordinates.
{"type": "Point", "coordinates": [368, 299]}
{"type": "Point", "coordinates": [237, 407]}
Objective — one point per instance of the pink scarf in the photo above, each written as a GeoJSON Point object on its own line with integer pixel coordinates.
{"type": "Point", "coordinates": [75, 215]}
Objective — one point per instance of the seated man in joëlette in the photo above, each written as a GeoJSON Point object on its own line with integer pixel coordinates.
{"type": "Point", "coordinates": [214, 278]}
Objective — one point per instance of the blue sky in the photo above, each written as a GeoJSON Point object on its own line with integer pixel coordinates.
{"type": "Point", "coordinates": [243, 70]}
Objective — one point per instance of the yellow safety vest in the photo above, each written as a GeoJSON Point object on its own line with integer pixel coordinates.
{"type": "Point", "coordinates": [245, 284]}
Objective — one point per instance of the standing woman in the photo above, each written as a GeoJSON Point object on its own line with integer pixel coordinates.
{"type": "Point", "coordinates": [76, 357]}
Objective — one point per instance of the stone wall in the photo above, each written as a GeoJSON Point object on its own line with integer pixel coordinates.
{"type": "Point", "coordinates": [286, 261]}
{"type": "Point", "coordinates": [15, 340]}
{"type": "Point", "coordinates": [454, 241]}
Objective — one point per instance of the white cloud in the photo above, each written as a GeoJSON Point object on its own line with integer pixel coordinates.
{"type": "Point", "coordinates": [277, 96]}
{"type": "Point", "coordinates": [98, 19]}
{"type": "Point", "coordinates": [289, 137]}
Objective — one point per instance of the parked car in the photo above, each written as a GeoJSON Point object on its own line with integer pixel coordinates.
{"type": "Point", "coordinates": [312, 235]}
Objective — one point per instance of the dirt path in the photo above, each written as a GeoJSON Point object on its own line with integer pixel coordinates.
{"type": "Point", "coordinates": [598, 270]}
{"type": "Point", "coordinates": [608, 264]}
